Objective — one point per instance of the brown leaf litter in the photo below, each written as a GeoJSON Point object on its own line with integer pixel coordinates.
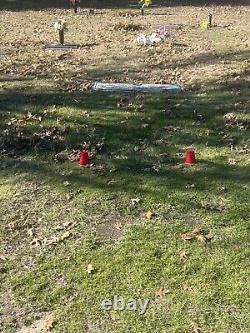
{"type": "Point", "coordinates": [197, 234]}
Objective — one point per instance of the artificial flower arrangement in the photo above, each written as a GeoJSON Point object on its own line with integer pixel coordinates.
{"type": "Point", "coordinates": [204, 25]}
{"type": "Point", "coordinates": [145, 3]}
{"type": "Point", "coordinates": [60, 25]}
{"type": "Point", "coordinates": [163, 33]}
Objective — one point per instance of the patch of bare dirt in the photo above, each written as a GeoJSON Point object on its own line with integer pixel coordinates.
{"type": "Point", "coordinates": [111, 228]}
{"type": "Point", "coordinates": [42, 325]}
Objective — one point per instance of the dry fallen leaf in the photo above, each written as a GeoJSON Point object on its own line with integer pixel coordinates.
{"type": "Point", "coordinates": [201, 238]}
{"type": "Point", "coordinates": [202, 235]}
{"type": "Point", "coordinates": [90, 269]}
{"type": "Point", "coordinates": [161, 292]}
{"type": "Point", "coordinates": [156, 168]}
{"type": "Point", "coordinates": [195, 328]}
{"type": "Point", "coordinates": [3, 257]}
{"type": "Point", "coordinates": [188, 186]}
{"type": "Point", "coordinates": [118, 225]}
{"type": "Point", "coordinates": [67, 224]}
{"type": "Point", "coordinates": [50, 323]}
{"type": "Point", "coordinates": [178, 166]}
{"type": "Point", "coordinates": [69, 196]}
{"type": "Point", "coordinates": [209, 237]}
{"type": "Point", "coordinates": [187, 236]}
{"type": "Point", "coordinates": [223, 189]}
{"type": "Point", "coordinates": [150, 215]}
{"type": "Point", "coordinates": [198, 234]}
{"type": "Point", "coordinates": [135, 202]}
{"type": "Point", "coordinates": [231, 161]}
{"type": "Point", "coordinates": [186, 287]}
{"type": "Point", "coordinates": [65, 235]}
{"type": "Point", "coordinates": [35, 242]}
{"type": "Point", "coordinates": [183, 255]}
{"type": "Point", "coordinates": [31, 232]}
{"type": "Point", "coordinates": [197, 231]}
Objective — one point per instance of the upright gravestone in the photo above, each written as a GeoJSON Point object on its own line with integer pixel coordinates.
{"type": "Point", "coordinates": [75, 4]}
{"type": "Point", "coordinates": [60, 27]}
{"type": "Point", "coordinates": [143, 4]}
{"type": "Point", "coordinates": [210, 17]}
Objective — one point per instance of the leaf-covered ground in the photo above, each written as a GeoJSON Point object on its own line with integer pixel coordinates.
{"type": "Point", "coordinates": [137, 222]}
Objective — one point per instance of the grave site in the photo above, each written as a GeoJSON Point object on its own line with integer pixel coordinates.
{"type": "Point", "coordinates": [124, 166]}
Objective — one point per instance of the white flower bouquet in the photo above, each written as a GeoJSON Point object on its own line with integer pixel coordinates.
{"type": "Point", "coordinates": [60, 25]}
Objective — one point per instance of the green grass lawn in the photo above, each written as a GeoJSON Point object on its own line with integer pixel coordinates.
{"type": "Point", "coordinates": [44, 200]}
{"type": "Point", "coordinates": [126, 217]}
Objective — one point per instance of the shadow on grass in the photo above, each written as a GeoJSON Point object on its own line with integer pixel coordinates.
{"type": "Point", "coordinates": [143, 150]}
{"type": "Point", "coordinates": [119, 69]}
{"type": "Point", "coordinates": [214, 58]}
{"type": "Point", "coordinates": [127, 175]}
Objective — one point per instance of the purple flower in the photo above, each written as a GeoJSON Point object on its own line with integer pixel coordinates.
{"type": "Point", "coordinates": [162, 32]}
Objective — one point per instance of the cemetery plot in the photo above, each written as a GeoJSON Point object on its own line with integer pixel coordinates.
{"type": "Point", "coordinates": [110, 49]}
{"type": "Point", "coordinates": [130, 195]}
{"type": "Point", "coordinates": [61, 27]}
